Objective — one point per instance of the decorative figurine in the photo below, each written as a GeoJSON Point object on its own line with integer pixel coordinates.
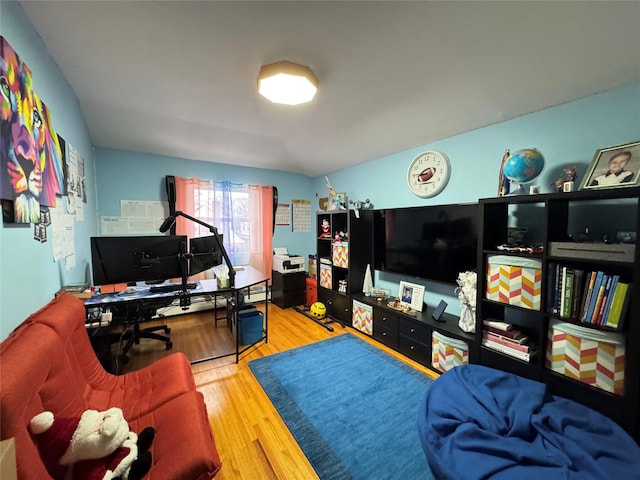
{"type": "Point", "coordinates": [357, 205]}
{"type": "Point", "coordinates": [503, 182]}
{"type": "Point", "coordinates": [566, 180]}
{"type": "Point", "coordinates": [326, 229]}
{"type": "Point", "coordinates": [334, 200]}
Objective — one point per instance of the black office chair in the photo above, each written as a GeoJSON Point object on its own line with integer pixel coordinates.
{"type": "Point", "coordinates": [133, 316]}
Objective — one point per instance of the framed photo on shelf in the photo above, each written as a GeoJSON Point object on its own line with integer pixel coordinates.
{"type": "Point", "coordinates": [411, 295]}
{"type": "Point", "coordinates": [614, 167]}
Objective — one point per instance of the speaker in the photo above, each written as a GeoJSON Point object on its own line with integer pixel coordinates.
{"type": "Point", "coordinates": [171, 189]}
{"type": "Point", "coordinates": [437, 313]}
{"type": "Point", "coordinates": [275, 207]}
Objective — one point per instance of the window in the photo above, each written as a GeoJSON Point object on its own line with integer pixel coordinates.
{"type": "Point", "coordinates": [243, 215]}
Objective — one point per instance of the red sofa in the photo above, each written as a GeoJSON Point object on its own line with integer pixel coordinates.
{"type": "Point", "coordinates": [48, 363]}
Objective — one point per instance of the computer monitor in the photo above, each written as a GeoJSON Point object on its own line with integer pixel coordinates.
{"type": "Point", "coordinates": [137, 258]}
{"type": "Point", "coordinates": [205, 253]}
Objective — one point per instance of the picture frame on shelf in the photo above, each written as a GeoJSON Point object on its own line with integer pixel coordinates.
{"type": "Point", "coordinates": [614, 167]}
{"type": "Point", "coordinates": [411, 295]}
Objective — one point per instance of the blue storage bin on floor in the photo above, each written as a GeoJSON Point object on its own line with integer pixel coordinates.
{"type": "Point", "coordinates": [251, 322]}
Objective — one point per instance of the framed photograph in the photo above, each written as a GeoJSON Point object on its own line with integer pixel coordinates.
{"type": "Point", "coordinates": [411, 295]}
{"type": "Point", "coordinates": [614, 167]}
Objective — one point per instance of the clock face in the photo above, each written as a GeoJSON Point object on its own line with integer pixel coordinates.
{"type": "Point", "coordinates": [428, 173]}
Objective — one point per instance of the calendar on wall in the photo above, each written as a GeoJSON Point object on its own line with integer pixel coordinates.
{"type": "Point", "coordinates": [301, 215]}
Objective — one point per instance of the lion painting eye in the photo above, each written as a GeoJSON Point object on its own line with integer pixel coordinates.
{"type": "Point", "coordinates": [4, 86]}
{"type": "Point", "coordinates": [37, 119]}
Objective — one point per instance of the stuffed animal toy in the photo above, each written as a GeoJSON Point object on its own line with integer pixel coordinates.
{"type": "Point", "coordinates": [95, 446]}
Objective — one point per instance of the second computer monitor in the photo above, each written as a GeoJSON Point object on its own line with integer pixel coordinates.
{"type": "Point", "coordinates": [205, 253]}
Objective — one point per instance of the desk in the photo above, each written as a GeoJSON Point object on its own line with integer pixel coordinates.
{"type": "Point", "coordinates": [142, 298]}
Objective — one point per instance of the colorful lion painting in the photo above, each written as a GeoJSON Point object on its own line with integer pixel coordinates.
{"type": "Point", "coordinates": [30, 154]}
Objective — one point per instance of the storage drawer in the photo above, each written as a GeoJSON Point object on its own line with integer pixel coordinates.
{"type": "Point", "coordinates": [415, 331]}
{"type": "Point", "coordinates": [288, 281]}
{"type": "Point", "coordinates": [386, 335]}
{"type": "Point", "coordinates": [414, 350]}
{"type": "Point", "coordinates": [383, 319]}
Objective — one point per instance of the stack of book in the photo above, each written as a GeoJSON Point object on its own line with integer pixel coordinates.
{"type": "Point", "coordinates": [505, 338]}
{"type": "Point", "coordinates": [593, 297]}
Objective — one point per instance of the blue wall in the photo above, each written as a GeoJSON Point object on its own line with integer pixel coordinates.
{"type": "Point", "coordinates": [125, 175]}
{"type": "Point", "coordinates": [29, 277]}
{"type": "Point", "coordinates": [568, 134]}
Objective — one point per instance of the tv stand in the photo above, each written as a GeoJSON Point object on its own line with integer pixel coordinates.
{"type": "Point", "coordinates": [411, 334]}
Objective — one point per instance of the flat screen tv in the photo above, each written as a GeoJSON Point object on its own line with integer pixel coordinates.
{"type": "Point", "coordinates": [431, 242]}
{"type": "Point", "coordinates": [137, 258]}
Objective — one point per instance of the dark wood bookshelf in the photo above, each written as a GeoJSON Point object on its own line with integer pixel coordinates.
{"type": "Point", "coordinates": [593, 215]}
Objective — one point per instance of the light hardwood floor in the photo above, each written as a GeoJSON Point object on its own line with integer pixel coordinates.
{"type": "Point", "coordinates": [252, 440]}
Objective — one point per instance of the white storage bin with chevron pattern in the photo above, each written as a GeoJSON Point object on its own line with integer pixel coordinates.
{"type": "Point", "coordinates": [514, 280]}
{"type": "Point", "coordinates": [590, 356]}
{"type": "Point", "coordinates": [447, 352]}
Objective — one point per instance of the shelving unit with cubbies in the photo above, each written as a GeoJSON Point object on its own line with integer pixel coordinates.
{"type": "Point", "coordinates": [579, 222]}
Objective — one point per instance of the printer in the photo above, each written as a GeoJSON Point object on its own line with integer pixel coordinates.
{"type": "Point", "coordinates": [284, 262]}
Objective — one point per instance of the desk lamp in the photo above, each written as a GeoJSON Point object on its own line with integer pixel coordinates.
{"type": "Point", "coordinates": [171, 219]}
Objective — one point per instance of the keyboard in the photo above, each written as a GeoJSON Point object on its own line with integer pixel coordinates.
{"type": "Point", "coordinates": [171, 287]}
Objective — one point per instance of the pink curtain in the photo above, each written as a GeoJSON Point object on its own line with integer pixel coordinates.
{"type": "Point", "coordinates": [185, 188]}
{"type": "Point", "coordinates": [260, 217]}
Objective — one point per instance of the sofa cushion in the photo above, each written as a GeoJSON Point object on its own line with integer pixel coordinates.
{"type": "Point", "coordinates": [135, 393]}
{"type": "Point", "coordinates": [182, 432]}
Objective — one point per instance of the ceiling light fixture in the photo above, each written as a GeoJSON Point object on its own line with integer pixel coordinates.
{"type": "Point", "coordinates": [287, 83]}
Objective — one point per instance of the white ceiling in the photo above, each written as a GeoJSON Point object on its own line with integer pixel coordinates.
{"type": "Point", "coordinates": [178, 78]}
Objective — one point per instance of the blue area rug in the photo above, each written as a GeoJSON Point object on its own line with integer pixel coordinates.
{"type": "Point", "coordinates": [352, 408]}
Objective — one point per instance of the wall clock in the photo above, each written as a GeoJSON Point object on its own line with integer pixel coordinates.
{"type": "Point", "coordinates": [429, 173]}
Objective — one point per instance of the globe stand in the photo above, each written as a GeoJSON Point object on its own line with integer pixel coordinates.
{"type": "Point", "coordinates": [520, 190]}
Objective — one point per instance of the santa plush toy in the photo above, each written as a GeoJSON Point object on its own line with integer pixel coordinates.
{"type": "Point", "coordinates": [95, 446]}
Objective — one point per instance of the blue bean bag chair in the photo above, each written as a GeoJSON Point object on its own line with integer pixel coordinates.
{"type": "Point", "coordinates": [478, 423]}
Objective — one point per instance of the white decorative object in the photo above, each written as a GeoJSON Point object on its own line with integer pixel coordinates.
{"type": "Point", "coordinates": [466, 292]}
{"type": "Point", "coordinates": [367, 284]}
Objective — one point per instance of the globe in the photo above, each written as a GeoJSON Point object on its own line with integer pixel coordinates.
{"type": "Point", "coordinates": [523, 166]}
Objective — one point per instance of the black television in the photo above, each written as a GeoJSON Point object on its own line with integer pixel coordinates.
{"type": "Point", "coordinates": [204, 253]}
{"type": "Point", "coordinates": [137, 258]}
{"type": "Point", "coordinates": [434, 243]}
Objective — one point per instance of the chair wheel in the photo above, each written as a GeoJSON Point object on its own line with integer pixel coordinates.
{"type": "Point", "coordinates": [167, 330]}
{"type": "Point", "coordinates": [169, 345]}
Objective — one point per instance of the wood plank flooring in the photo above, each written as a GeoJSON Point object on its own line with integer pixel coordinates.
{"type": "Point", "coordinates": [252, 440]}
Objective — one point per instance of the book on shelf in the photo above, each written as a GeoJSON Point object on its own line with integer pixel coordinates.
{"type": "Point", "coordinates": [588, 292]}
{"type": "Point", "coordinates": [594, 297]}
{"type": "Point", "coordinates": [599, 296]}
{"type": "Point", "coordinates": [567, 291]}
{"type": "Point", "coordinates": [520, 347]}
{"type": "Point", "coordinates": [498, 324]}
{"type": "Point", "coordinates": [498, 347]}
{"type": "Point", "coordinates": [607, 307]}
{"type": "Point", "coordinates": [513, 334]}
{"type": "Point", "coordinates": [619, 305]}
{"type": "Point", "coordinates": [578, 286]}
{"type": "Point", "coordinates": [556, 289]}
{"type": "Point", "coordinates": [603, 303]}
{"type": "Point", "coordinates": [550, 283]}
